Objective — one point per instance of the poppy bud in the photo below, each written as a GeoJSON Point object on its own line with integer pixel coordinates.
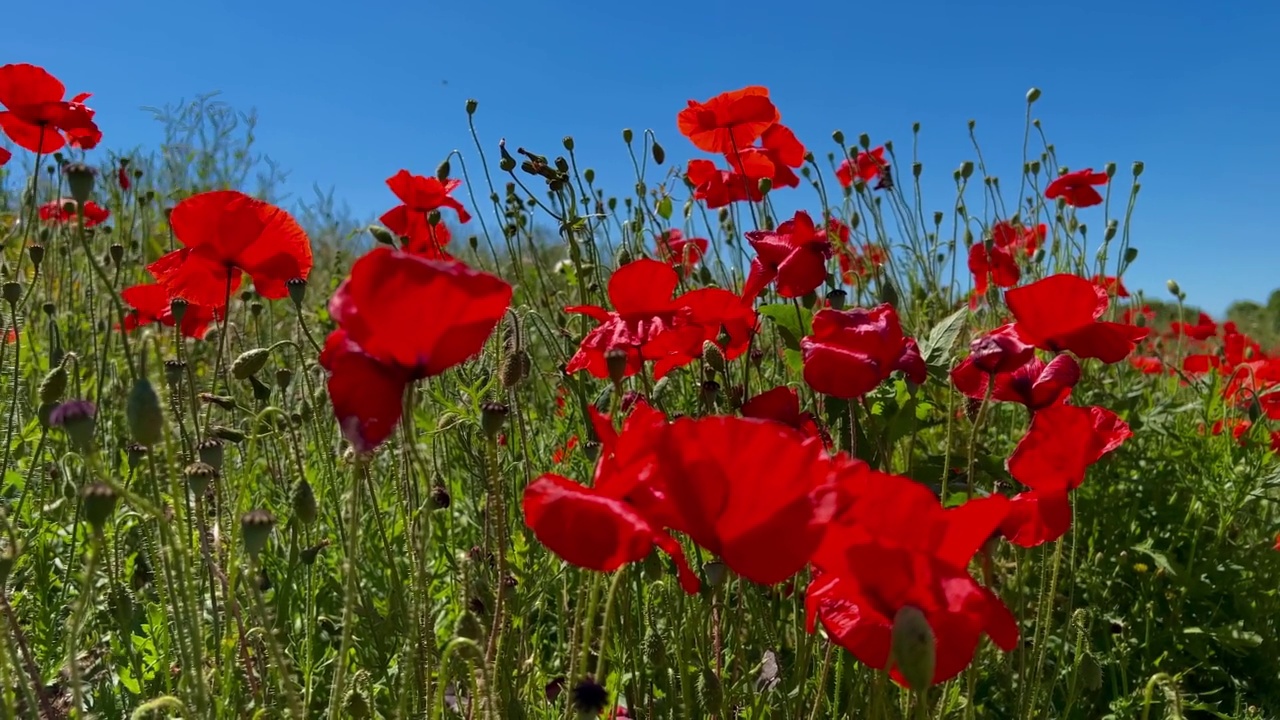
{"type": "Point", "coordinates": [1130, 254]}
{"type": "Point", "coordinates": [836, 298]}
{"type": "Point", "coordinates": [865, 141]}
{"type": "Point", "coordinates": [493, 415]}
{"type": "Point", "coordinates": [256, 525]}
{"type": "Point", "coordinates": [505, 161]}
{"type": "Point", "coordinates": [838, 137]}
{"type": "Point", "coordinates": [716, 572]}
{"type": "Point", "coordinates": [659, 155]}
{"type": "Point", "coordinates": [249, 363]}
{"type": "Point", "coordinates": [1038, 256]}
{"type": "Point", "coordinates": [134, 454]}
{"type": "Point", "coordinates": [12, 293]}
{"type": "Point", "coordinates": [471, 106]}
{"type": "Point", "coordinates": [627, 135]}
{"type": "Point", "coordinates": [588, 698]}
{"type": "Point", "coordinates": [382, 235]}
{"type": "Point", "coordinates": [76, 418]}
{"type": "Point", "coordinates": [304, 502]}
{"type": "Point", "coordinates": [568, 142]}
{"type": "Point", "coordinates": [53, 385]}
{"type": "Point", "coordinates": [966, 169]}
{"type": "Point", "coordinates": [589, 175]}
{"type": "Point", "coordinates": [1174, 288]}
{"type": "Point", "coordinates": [766, 184]}
{"type": "Point", "coordinates": [713, 356]}
{"type": "Point", "coordinates": [709, 390]}
{"type": "Point", "coordinates": [297, 288]}
{"type": "Point", "coordinates": [561, 164]}
{"type": "Point", "coordinates": [1138, 167]}
{"type": "Point", "coordinates": [440, 498]}
{"type": "Point", "coordinates": [515, 368]}
{"type": "Point", "coordinates": [79, 181]}
{"type": "Point", "coordinates": [913, 647]}
{"type": "Point", "coordinates": [615, 360]}
{"type": "Point", "coordinates": [142, 410]}
{"type": "Point", "coordinates": [199, 475]}
{"type": "Point", "coordinates": [1033, 95]}
{"type": "Point", "coordinates": [99, 503]}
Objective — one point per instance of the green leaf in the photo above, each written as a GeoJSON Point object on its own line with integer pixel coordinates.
{"type": "Point", "coordinates": [792, 322]}
{"type": "Point", "coordinates": [939, 346]}
{"type": "Point", "coordinates": [664, 208]}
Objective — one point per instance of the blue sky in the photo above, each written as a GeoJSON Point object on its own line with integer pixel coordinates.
{"type": "Point", "coordinates": [347, 97]}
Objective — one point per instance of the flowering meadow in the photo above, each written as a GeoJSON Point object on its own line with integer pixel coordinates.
{"type": "Point", "coordinates": [526, 449]}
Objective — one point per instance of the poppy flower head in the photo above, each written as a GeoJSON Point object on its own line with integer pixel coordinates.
{"type": "Point", "coordinates": [1204, 328]}
{"type": "Point", "coordinates": [795, 254]}
{"type": "Point", "coordinates": [782, 405]}
{"type": "Point", "coordinates": [729, 121]}
{"type": "Point", "coordinates": [643, 311]}
{"type": "Point", "coordinates": [774, 159]}
{"type": "Point", "coordinates": [865, 166]}
{"type": "Point", "coordinates": [679, 251]}
{"type": "Point", "coordinates": [225, 232]}
{"type": "Point", "coordinates": [1011, 236]}
{"type": "Point", "coordinates": [850, 352]}
{"type": "Point", "coordinates": [718, 188]}
{"type": "Point", "coordinates": [1061, 312]}
{"type": "Point", "coordinates": [1000, 350]}
{"type": "Point", "coordinates": [1061, 444]}
{"type": "Point", "coordinates": [37, 118]}
{"type": "Point", "coordinates": [992, 265]}
{"type": "Point", "coordinates": [1113, 286]}
{"type": "Point", "coordinates": [151, 304]}
{"type": "Point", "coordinates": [1076, 188]}
{"type": "Point", "coordinates": [420, 198]}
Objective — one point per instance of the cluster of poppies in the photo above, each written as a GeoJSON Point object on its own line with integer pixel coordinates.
{"type": "Point", "coordinates": [765, 493]}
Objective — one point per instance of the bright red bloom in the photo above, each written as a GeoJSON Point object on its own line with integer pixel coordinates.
{"type": "Point", "coordinates": [63, 210]}
{"type": "Point", "coordinates": [1148, 365]}
{"type": "Point", "coordinates": [36, 116]}
{"type": "Point", "coordinates": [704, 315]}
{"type": "Point", "coordinates": [850, 352]}
{"type": "Point", "coordinates": [782, 405]}
{"type": "Point", "coordinates": [385, 340]}
{"type": "Point", "coordinates": [679, 251]}
{"type": "Point", "coordinates": [712, 476]}
{"type": "Point", "coordinates": [718, 188]}
{"type": "Point", "coordinates": [1035, 384]}
{"type": "Point", "coordinates": [795, 254]}
{"type": "Point", "coordinates": [866, 167]}
{"type": "Point", "coordinates": [1007, 235]}
{"type": "Point", "coordinates": [729, 121]}
{"type": "Point", "coordinates": [1052, 459]}
{"type": "Point", "coordinates": [778, 153]}
{"type": "Point", "coordinates": [151, 304]}
{"type": "Point", "coordinates": [122, 177]}
{"type": "Point", "coordinates": [993, 266]}
{"type": "Point", "coordinates": [895, 547]}
{"type": "Point", "coordinates": [1077, 188]}
{"type": "Point", "coordinates": [562, 453]}
{"type": "Point", "coordinates": [1113, 285]}
{"type": "Point", "coordinates": [643, 311]}
{"type": "Point", "coordinates": [225, 232]}
{"type": "Point", "coordinates": [5, 156]}
{"type": "Point", "coordinates": [419, 197]}
{"type": "Point", "coordinates": [1204, 328]}
{"type": "Point", "coordinates": [1061, 312]}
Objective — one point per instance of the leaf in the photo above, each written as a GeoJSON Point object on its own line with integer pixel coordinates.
{"type": "Point", "coordinates": [1160, 559]}
{"type": "Point", "coordinates": [792, 322]}
{"type": "Point", "coordinates": [664, 208]}
{"type": "Point", "coordinates": [938, 347]}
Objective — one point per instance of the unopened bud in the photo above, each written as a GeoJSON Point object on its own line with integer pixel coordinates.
{"type": "Point", "coordinates": [766, 184]}
{"type": "Point", "coordinates": [864, 140]}
{"type": "Point", "coordinates": [1138, 167]}
{"type": "Point", "coordinates": [99, 503]}
{"type": "Point", "coordinates": [382, 235]}
{"type": "Point", "coordinates": [142, 410]}
{"type": "Point", "coordinates": [53, 385]}
{"type": "Point", "coordinates": [627, 135]}
{"type": "Point", "coordinates": [1174, 289]}
{"type": "Point", "coordinates": [1033, 95]}
{"type": "Point", "coordinates": [659, 155]}
{"type": "Point", "coordinates": [79, 181]}
{"type": "Point", "coordinates": [713, 356]}
{"type": "Point", "coordinates": [471, 106]}
{"type": "Point", "coordinates": [249, 363]}
{"type": "Point", "coordinates": [230, 435]}
{"type": "Point", "coordinates": [615, 360]}
{"type": "Point", "coordinates": [1109, 169]}
{"type": "Point", "coordinates": [1130, 254]}
{"type": "Point", "coordinates": [493, 416]}
{"type": "Point", "coordinates": [304, 502]}
{"type": "Point", "coordinates": [966, 169]}
{"type": "Point", "coordinates": [442, 170]}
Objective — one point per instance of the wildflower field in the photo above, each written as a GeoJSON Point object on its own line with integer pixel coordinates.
{"type": "Point", "coordinates": [529, 449]}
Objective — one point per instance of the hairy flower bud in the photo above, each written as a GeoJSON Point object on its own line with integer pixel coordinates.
{"type": "Point", "coordinates": [142, 410]}
{"type": "Point", "coordinates": [1033, 95]}
{"type": "Point", "coordinates": [249, 363]}
{"type": "Point", "coordinates": [304, 502]}
{"type": "Point", "coordinates": [99, 503]}
{"type": "Point", "coordinates": [53, 385]}
{"type": "Point", "coordinates": [913, 647]}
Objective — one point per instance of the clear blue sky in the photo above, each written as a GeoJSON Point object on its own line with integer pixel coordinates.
{"type": "Point", "coordinates": [348, 93]}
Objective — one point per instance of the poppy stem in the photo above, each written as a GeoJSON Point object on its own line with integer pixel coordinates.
{"type": "Point", "coordinates": [973, 437]}
{"type": "Point", "coordinates": [338, 693]}
{"type": "Point", "coordinates": [602, 663]}
{"type": "Point", "coordinates": [222, 347]}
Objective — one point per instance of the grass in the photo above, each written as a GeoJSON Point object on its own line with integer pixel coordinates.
{"type": "Point", "coordinates": [303, 580]}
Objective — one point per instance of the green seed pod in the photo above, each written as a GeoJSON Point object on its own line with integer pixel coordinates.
{"type": "Point", "coordinates": [80, 179]}
{"type": "Point", "coordinates": [11, 292]}
{"type": "Point", "coordinates": [304, 503]}
{"type": "Point", "coordinates": [142, 410]}
{"type": "Point", "coordinates": [472, 104]}
{"type": "Point", "coordinates": [199, 476]}
{"type": "Point", "coordinates": [249, 363]}
{"type": "Point", "coordinates": [493, 416]}
{"type": "Point", "coordinates": [627, 135]}
{"type": "Point", "coordinates": [659, 155]}
{"type": "Point", "coordinates": [36, 253]}
{"type": "Point", "coordinates": [442, 170]}
{"type": "Point", "coordinates": [211, 452]}
{"type": "Point", "coordinates": [99, 504]}
{"type": "Point", "coordinates": [297, 288]}
{"type": "Point", "coordinates": [256, 525]}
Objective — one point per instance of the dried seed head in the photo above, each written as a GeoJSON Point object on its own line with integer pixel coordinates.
{"type": "Point", "coordinates": [36, 253]}
{"type": "Point", "coordinates": [99, 503]}
{"type": "Point", "coordinates": [256, 525]}
{"type": "Point", "coordinates": [135, 454]}
{"type": "Point", "coordinates": [11, 292]}
{"type": "Point", "coordinates": [199, 475]}
{"type": "Point", "coordinates": [173, 371]}
{"type": "Point", "coordinates": [211, 451]}
{"type": "Point", "coordinates": [493, 416]}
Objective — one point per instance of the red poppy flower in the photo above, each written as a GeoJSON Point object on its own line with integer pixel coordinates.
{"type": "Point", "coordinates": [896, 547]}
{"type": "Point", "coordinates": [778, 153]}
{"type": "Point", "coordinates": [711, 475]}
{"type": "Point", "coordinates": [1061, 312]}
{"type": "Point", "coordinates": [420, 196]}
{"type": "Point", "coordinates": [866, 167]}
{"type": "Point", "coordinates": [63, 210]}
{"type": "Point", "coordinates": [680, 251]}
{"type": "Point", "coordinates": [858, 263]}
{"type": "Point", "coordinates": [1007, 235]}
{"type": "Point", "coordinates": [225, 232]}
{"type": "Point", "coordinates": [1052, 459]}
{"type": "Point", "coordinates": [718, 188]}
{"type": "Point", "coordinates": [1035, 384]}
{"type": "Point", "coordinates": [850, 352]}
{"type": "Point", "coordinates": [729, 121]}
{"type": "Point", "coordinates": [384, 340]}
{"type": "Point", "coordinates": [122, 177]}
{"type": "Point", "coordinates": [782, 405]}
{"type": "Point", "coordinates": [5, 156]}
{"type": "Point", "coordinates": [36, 116]}
{"type": "Point", "coordinates": [643, 311]}
{"type": "Point", "coordinates": [704, 315]}
{"type": "Point", "coordinates": [1077, 188]}
{"type": "Point", "coordinates": [795, 254]}
{"type": "Point", "coordinates": [1148, 365]}
{"type": "Point", "coordinates": [992, 266]}
{"type": "Point", "coordinates": [562, 453]}
{"type": "Point", "coordinates": [151, 304]}
{"type": "Point", "coordinates": [1204, 328]}
{"type": "Point", "coordinates": [1113, 285]}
